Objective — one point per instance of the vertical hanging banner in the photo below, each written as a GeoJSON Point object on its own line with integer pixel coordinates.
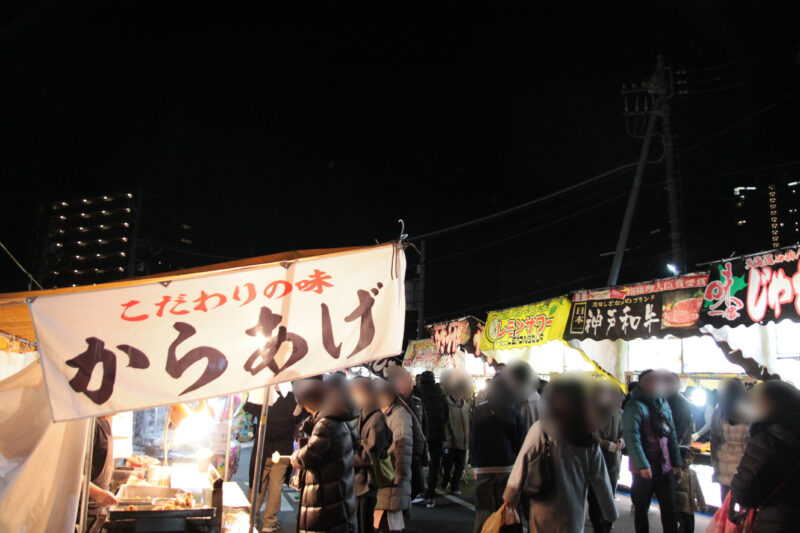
{"type": "Point", "coordinates": [653, 309]}
{"type": "Point", "coordinates": [527, 325]}
{"type": "Point", "coordinates": [217, 333]}
{"type": "Point", "coordinates": [753, 290]}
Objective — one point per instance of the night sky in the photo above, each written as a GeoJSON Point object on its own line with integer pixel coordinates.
{"type": "Point", "coordinates": [321, 126]}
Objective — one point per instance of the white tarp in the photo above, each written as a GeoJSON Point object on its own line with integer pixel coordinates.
{"type": "Point", "coordinates": [40, 461]}
{"type": "Point", "coordinates": [161, 343]}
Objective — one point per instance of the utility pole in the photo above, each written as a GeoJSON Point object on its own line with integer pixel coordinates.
{"type": "Point", "coordinates": [622, 241]}
{"type": "Point", "coordinates": [664, 86]}
{"type": "Point", "coordinates": [655, 103]}
{"type": "Point", "coordinates": [421, 291]}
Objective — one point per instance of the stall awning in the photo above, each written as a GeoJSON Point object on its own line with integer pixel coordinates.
{"type": "Point", "coordinates": [16, 320]}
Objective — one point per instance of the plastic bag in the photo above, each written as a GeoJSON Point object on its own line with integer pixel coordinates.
{"type": "Point", "coordinates": [504, 520]}
{"type": "Point", "coordinates": [722, 523]}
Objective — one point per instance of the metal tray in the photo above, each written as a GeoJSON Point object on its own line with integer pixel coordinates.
{"type": "Point", "coordinates": [118, 512]}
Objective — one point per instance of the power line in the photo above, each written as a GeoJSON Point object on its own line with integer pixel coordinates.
{"type": "Point", "coordinates": [525, 205]}
{"type": "Point", "coordinates": [20, 266]}
{"type": "Point", "coordinates": [546, 214]}
{"type": "Point", "coordinates": [529, 230]}
{"type": "Point", "coordinates": [738, 123]}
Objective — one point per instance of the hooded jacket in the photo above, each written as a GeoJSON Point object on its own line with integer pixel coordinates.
{"type": "Point", "coordinates": [642, 443]}
{"type": "Point", "coordinates": [433, 398]}
{"type": "Point", "coordinates": [397, 497]}
{"type": "Point", "coordinates": [768, 475]}
{"type": "Point", "coordinates": [328, 501]}
{"type": "Point", "coordinates": [575, 469]}
{"type": "Point", "coordinates": [376, 438]}
{"type": "Point", "coordinates": [496, 430]}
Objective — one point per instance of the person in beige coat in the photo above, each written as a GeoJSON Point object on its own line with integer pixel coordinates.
{"type": "Point", "coordinates": [576, 458]}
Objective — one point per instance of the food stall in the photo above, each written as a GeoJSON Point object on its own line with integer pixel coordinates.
{"type": "Point", "coordinates": [534, 333]}
{"type": "Point", "coordinates": [174, 349]}
{"type": "Point", "coordinates": [453, 344]}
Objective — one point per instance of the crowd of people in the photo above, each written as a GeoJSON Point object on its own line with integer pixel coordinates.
{"type": "Point", "coordinates": [551, 452]}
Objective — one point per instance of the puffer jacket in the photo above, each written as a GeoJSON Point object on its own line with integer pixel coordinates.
{"type": "Point", "coordinates": [328, 498]}
{"type": "Point", "coordinates": [769, 476]}
{"type": "Point", "coordinates": [640, 440]}
{"type": "Point", "coordinates": [433, 398]}
{"type": "Point", "coordinates": [397, 497]}
{"type": "Point", "coordinates": [375, 440]}
{"type": "Point", "coordinates": [728, 442]}
{"type": "Point", "coordinates": [456, 435]}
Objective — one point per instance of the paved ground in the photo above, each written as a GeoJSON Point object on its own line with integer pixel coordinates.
{"type": "Point", "coordinates": [452, 514]}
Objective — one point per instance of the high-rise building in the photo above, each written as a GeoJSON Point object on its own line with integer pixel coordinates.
{"type": "Point", "coordinates": [767, 211]}
{"type": "Point", "coordinates": [103, 238]}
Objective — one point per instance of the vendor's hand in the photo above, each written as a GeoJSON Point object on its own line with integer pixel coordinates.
{"type": "Point", "coordinates": [695, 436]}
{"type": "Point", "coordinates": [294, 460]}
{"type": "Point", "coordinates": [646, 473]}
{"type": "Point", "coordinates": [613, 447]}
{"type": "Point", "coordinates": [105, 498]}
{"type": "Point", "coordinates": [621, 443]}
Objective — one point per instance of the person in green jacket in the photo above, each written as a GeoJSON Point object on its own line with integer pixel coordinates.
{"type": "Point", "coordinates": [653, 451]}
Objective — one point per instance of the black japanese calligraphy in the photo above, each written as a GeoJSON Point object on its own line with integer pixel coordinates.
{"type": "Point", "coordinates": [216, 360]}
{"type": "Point", "coordinates": [264, 356]}
{"type": "Point", "coordinates": [366, 332]}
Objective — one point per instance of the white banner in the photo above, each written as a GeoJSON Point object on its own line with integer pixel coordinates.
{"type": "Point", "coordinates": [134, 347]}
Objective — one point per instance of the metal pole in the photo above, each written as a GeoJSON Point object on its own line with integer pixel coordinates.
{"type": "Point", "coordinates": [421, 288]}
{"type": "Point", "coordinates": [87, 475]}
{"type": "Point", "coordinates": [228, 439]}
{"type": "Point", "coordinates": [622, 242]}
{"type": "Point", "coordinates": [259, 452]}
{"type": "Point", "coordinates": [673, 191]}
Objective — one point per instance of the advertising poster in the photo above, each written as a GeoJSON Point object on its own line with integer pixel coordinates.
{"type": "Point", "coordinates": [527, 325]}
{"type": "Point", "coordinates": [753, 290]}
{"type": "Point", "coordinates": [652, 309]}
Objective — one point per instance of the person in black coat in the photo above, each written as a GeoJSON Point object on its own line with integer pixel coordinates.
{"type": "Point", "coordinates": [436, 409]}
{"type": "Point", "coordinates": [768, 476]}
{"type": "Point", "coordinates": [496, 433]}
{"type": "Point", "coordinates": [327, 501]}
{"type": "Point", "coordinates": [375, 440]}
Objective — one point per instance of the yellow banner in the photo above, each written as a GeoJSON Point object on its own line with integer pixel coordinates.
{"type": "Point", "coordinates": [527, 325]}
